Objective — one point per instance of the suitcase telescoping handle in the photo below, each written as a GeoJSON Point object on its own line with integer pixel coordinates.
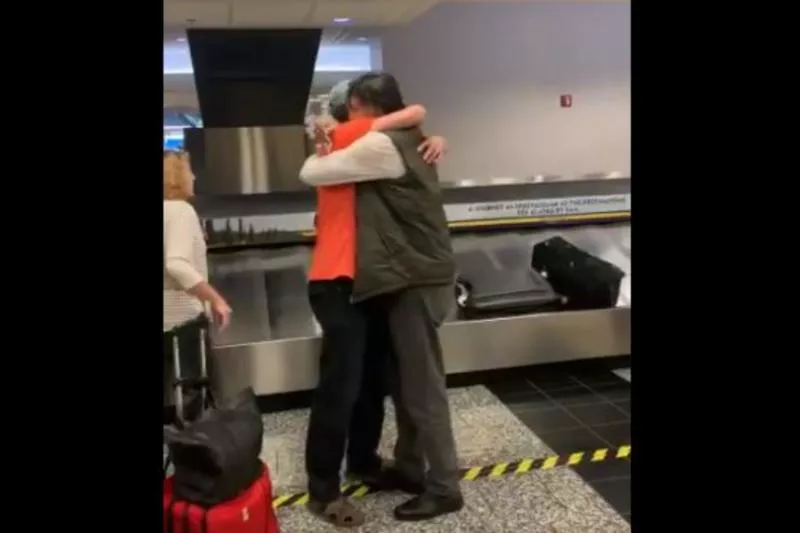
{"type": "Point", "coordinates": [201, 383]}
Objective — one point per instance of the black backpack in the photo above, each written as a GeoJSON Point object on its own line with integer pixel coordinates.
{"type": "Point", "coordinates": [216, 458]}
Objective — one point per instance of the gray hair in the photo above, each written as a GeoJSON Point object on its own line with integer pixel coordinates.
{"type": "Point", "coordinates": [338, 95]}
{"type": "Point", "coordinates": [337, 100]}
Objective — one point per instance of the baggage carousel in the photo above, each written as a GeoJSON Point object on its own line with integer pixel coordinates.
{"type": "Point", "coordinates": [273, 341]}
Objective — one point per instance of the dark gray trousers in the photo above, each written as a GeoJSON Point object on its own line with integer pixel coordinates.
{"type": "Point", "coordinates": [425, 431]}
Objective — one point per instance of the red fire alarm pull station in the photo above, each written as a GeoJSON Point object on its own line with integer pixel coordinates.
{"type": "Point", "coordinates": [566, 100]}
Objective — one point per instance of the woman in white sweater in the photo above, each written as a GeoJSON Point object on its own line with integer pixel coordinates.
{"type": "Point", "coordinates": [187, 293]}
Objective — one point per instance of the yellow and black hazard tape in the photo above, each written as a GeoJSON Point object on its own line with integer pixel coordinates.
{"type": "Point", "coordinates": [523, 466]}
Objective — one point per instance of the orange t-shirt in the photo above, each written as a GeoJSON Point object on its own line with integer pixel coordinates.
{"type": "Point", "coordinates": [334, 254]}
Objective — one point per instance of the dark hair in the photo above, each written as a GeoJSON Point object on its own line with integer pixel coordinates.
{"type": "Point", "coordinates": [339, 113]}
{"type": "Point", "coordinates": [377, 90]}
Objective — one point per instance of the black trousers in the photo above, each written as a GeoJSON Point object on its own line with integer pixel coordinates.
{"type": "Point", "coordinates": [347, 408]}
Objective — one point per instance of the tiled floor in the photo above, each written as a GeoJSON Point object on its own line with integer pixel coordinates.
{"type": "Point", "coordinates": [540, 412]}
{"type": "Point", "coordinates": [573, 408]}
{"type": "Point", "coordinates": [517, 414]}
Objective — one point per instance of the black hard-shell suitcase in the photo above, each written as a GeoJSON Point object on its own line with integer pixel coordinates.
{"type": "Point", "coordinates": [500, 282]}
{"type": "Point", "coordinates": [584, 280]}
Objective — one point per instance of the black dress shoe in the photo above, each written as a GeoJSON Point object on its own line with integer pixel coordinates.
{"type": "Point", "coordinates": [428, 506]}
{"type": "Point", "coordinates": [389, 479]}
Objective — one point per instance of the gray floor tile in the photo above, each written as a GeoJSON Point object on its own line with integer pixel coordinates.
{"type": "Point", "coordinates": [552, 501]}
{"type": "Point", "coordinates": [486, 432]}
{"type": "Point", "coordinates": [542, 502]}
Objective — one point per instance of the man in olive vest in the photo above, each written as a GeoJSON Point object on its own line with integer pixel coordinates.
{"type": "Point", "coordinates": [405, 270]}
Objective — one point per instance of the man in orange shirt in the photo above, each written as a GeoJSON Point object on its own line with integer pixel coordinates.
{"type": "Point", "coordinates": [347, 408]}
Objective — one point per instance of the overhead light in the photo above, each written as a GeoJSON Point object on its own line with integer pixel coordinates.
{"type": "Point", "coordinates": [342, 20]}
{"type": "Point", "coordinates": [181, 39]}
{"type": "Point", "coordinates": [362, 39]}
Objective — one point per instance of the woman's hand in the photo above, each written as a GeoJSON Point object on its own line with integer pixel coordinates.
{"type": "Point", "coordinates": [221, 313]}
{"type": "Point", "coordinates": [322, 140]}
{"type": "Point", "coordinates": [433, 149]}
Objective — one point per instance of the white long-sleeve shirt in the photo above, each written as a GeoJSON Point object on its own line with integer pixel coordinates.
{"type": "Point", "coordinates": [372, 157]}
{"type": "Point", "coordinates": [185, 263]}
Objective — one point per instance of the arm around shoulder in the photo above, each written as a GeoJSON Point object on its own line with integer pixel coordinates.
{"type": "Point", "coordinates": [372, 157]}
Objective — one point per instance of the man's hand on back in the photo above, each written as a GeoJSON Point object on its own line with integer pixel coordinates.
{"type": "Point", "coordinates": [433, 149]}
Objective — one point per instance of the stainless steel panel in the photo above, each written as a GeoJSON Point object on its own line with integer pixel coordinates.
{"type": "Point", "coordinates": [292, 365]}
{"type": "Point", "coordinates": [273, 344]}
{"type": "Point", "coordinates": [267, 291]}
{"type": "Point", "coordinates": [535, 339]}
{"type": "Point", "coordinates": [249, 160]}
{"type": "Point", "coordinates": [268, 367]}
{"type": "Point", "coordinates": [267, 288]}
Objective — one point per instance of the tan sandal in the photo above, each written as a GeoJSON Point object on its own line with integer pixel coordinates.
{"type": "Point", "coordinates": [340, 513]}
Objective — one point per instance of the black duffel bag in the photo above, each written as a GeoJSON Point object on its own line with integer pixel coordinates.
{"type": "Point", "coordinates": [585, 281]}
{"type": "Point", "coordinates": [216, 458]}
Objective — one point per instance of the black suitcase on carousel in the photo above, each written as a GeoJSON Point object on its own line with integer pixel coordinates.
{"type": "Point", "coordinates": [584, 280]}
{"type": "Point", "coordinates": [500, 282]}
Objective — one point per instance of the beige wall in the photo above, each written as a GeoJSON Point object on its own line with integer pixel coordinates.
{"type": "Point", "coordinates": [491, 76]}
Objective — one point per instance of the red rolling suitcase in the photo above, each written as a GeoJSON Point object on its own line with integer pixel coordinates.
{"type": "Point", "coordinates": [250, 512]}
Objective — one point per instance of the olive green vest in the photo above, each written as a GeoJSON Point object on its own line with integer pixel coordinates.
{"type": "Point", "coordinates": [402, 236]}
